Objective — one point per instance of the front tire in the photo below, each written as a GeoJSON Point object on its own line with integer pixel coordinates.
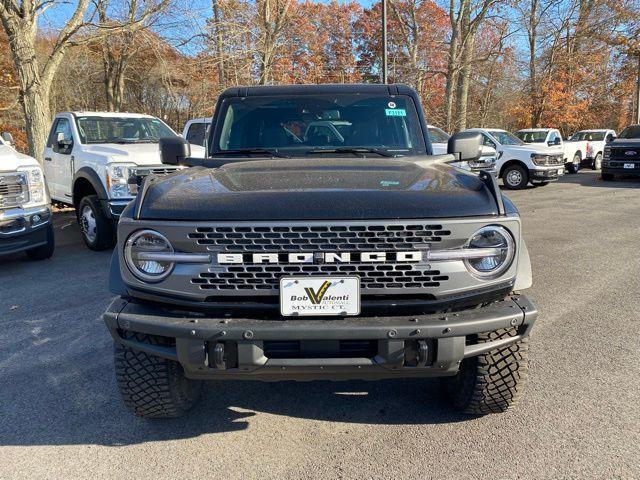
{"type": "Point", "coordinates": [597, 162]}
{"type": "Point", "coordinates": [43, 252]}
{"type": "Point", "coordinates": [574, 167]}
{"type": "Point", "coordinates": [97, 230]}
{"type": "Point", "coordinates": [153, 387]}
{"type": "Point", "coordinates": [492, 382]}
{"type": "Point", "coordinates": [515, 177]}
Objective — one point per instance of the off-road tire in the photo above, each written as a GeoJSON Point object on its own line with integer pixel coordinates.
{"type": "Point", "coordinates": [524, 176]}
{"type": "Point", "coordinates": [104, 237]}
{"type": "Point", "coordinates": [574, 167]}
{"type": "Point", "coordinates": [492, 382]}
{"type": "Point", "coordinates": [597, 162]}
{"type": "Point", "coordinates": [153, 387]}
{"type": "Point", "coordinates": [43, 252]}
{"type": "Point", "coordinates": [607, 177]}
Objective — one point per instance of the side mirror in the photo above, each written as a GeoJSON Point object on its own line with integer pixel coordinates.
{"type": "Point", "coordinates": [64, 144]}
{"type": "Point", "coordinates": [8, 138]}
{"type": "Point", "coordinates": [610, 138]}
{"type": "Point", "coordinates": [557, 141]}
{"type": "Point", "coordinates": [465, 146]}
{"type": "Point", "coordinates": [173, 150]}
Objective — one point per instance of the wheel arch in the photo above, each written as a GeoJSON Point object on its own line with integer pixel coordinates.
{"type": "Point", "coordinates": [87, 182]}
{"type": "Point", "coordinates": [513, 161]}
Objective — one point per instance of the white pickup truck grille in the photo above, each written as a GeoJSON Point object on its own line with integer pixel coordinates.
{"type": "Point", "coordinates": [14, 190]}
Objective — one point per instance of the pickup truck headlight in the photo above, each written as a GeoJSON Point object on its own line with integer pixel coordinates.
{"type": "Point", "coordinates": [117, 180]}
{"type": "Point", "coordinates": [37, 191]}
{"type": "Point", "coordinates": [499, 246]}
{"type": "Point", "coordinates": [540, 160]}
{"type": "Point", "coordinates": [606, 155]}
{"type": "Point", "coordinates": [143, 252]}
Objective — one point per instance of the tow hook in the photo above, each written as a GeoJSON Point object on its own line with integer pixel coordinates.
{"type": "Point", "coordinates": [423, 351]}
{"type": "Point", "coordinates": [218, 357]}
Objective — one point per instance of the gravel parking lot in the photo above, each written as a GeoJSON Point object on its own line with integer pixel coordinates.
{"type": "Point", "coordinates": [61, 415]}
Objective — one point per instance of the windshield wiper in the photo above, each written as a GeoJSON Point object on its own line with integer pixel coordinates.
{"type": "Point", "coordinates": [356, 150]}
{"type": "Point", "coordinates": [256, 151]}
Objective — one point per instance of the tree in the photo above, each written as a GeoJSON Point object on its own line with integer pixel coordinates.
{"type": "Point", "coordinates": [272, 18]}
{"type": "Point", "coordinates": [35, 72]}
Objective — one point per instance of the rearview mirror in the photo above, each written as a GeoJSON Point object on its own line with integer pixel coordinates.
{"type": "Point", "coordinates": [465, 146]}
{"type": "Point", "coordinates": [174, 150]}
{"type": "Point", "coordinates": [8, 138]}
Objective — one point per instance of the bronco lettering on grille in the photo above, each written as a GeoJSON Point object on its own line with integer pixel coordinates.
{"type": "Point", "coordinates": [409, 256]}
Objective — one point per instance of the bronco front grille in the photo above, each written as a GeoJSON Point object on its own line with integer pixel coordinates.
{"type": "Point", "coordinates": [375, 277]}
{"type": "Point", "coordinates": [14, 190]}
{"type": "Point", "coordinates": [319, 238]}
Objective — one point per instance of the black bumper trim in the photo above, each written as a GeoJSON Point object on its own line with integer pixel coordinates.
{"type": "Point", "coordinates": [450, 335]}
{"type": "Point", "coordinates": [545, 175]}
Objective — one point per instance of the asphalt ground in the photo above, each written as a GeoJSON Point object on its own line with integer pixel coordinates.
{"type": "Point", "coordinates": [61, 415]}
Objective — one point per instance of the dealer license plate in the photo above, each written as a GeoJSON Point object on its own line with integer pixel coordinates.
{"type": "Point", "coordinates": [629, 165]}
{"type": "Point", "coordinates": [317, 296]}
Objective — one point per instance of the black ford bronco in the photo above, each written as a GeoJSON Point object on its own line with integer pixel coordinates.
{"type": "Point", "coordinates": [320, 239]}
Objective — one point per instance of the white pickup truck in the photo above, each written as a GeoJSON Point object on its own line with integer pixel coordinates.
{"type": "Point", "coordinates": [574, 152]}
{"type": "Point", "coordinates": [89, 158]}
{"type": "Point", "coordinates": [25, 207]}
{"type": "Point", "coordinates": [595, 141]}
{"type": "Point", "coordinates": [521, 163]}
{"type": "Point", "coordinates": [487, 161]}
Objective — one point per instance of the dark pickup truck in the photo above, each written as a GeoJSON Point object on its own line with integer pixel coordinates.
{"type": "Point", "coordinates": [622, 155]}
{"type": "Point", "coordinates": [320, 239]}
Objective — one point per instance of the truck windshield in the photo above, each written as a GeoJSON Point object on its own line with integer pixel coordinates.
{"type": "Point", "coordinates": [632, 131]}
{"type": "Point", "coordinates": [309, 125]}
{"type": "Point", "coordinates": [531, 137]}
{"type": "Point", "coordinates": [97, 129]}
{"type": "Point", "coordinates": [505, 138]}
{"type": "Point", "coordinates": [588, 136]}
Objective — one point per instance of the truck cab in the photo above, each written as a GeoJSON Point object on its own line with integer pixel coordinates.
{"type": "Point", "coordinates": [595, 142]}
{"type": "Point", "coordinates": [520, 163]}
{"type": "Point", "coordinates": [293, 253]}
{"type": "Point", "coordinates": [89, 158]}
{"type": "Point", "coordinates": [573, 151]}
{"type": "Point", "coordinates": [25, 206]}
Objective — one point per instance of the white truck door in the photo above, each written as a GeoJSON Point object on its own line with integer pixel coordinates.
{"type": "Point", "coordinates": [62, 159]}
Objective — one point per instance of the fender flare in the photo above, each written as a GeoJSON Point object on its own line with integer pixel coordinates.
{"type": "Point", "coordinates": [512, 161]}
{"type": "Point", "coordinates": [524, 277]}
{"type": "Point", "coordinates": [92, 177]}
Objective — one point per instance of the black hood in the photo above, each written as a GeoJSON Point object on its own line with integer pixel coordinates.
{"type": "Point", "coordinates": [317, 189]}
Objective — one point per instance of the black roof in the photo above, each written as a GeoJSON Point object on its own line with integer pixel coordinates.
{"type": "Point", "coordinates": [371, 88]}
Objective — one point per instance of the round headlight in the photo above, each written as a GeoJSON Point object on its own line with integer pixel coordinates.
{"type": "Point", "coordinates": [139, 247]}
{"type": "Point", "coordinates": [500, 243]}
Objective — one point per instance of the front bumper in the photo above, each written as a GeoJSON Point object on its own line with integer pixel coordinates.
{"type": "Point", "coordinates": [546, 174]}
{"type": "Point", "coordinates": [242, 348]}
{"type": "Point", "coordinates": [23, 228]}
{"type": "Point", "coordinates": [618, 168]}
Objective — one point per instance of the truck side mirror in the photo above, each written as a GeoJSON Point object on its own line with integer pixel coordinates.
{"type": "Point", "coordinates": [8, 138]}
{"type": "Point", "coordinates": [557, 141]}
{"type": "Point", "coordinates": [64, 144]}
{"type": "Point", "coordinates": [174, 150]}
{"type": "Point", "coordinates": [610, 138]}
{"type": "Point", "coordinates": [465, 146]}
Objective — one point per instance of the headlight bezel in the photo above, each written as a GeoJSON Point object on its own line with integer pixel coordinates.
{"type": "Point", "coordinates": [37, 190]}
{"type": "Point", "coordinates": [131, 262]}
{"type": "Point", "coordinates": [506, 263]}
{"type": "Point", "coordinates": [117, 179]}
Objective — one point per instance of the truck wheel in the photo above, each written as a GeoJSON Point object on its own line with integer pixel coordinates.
{"type": "Point", "coordinates": [515, 177]}
{"type": "Point", "coordinates": [597, 162]}
{"type": "Point", "coordinates": [97, 229]}
{"type": "Point", "coordinates": [45, 251]}
{"type": "Point", "coordinates": [153, 387]}
{"type": "Point", "coordinates": [492, 382]}
{"type": "Point", "coordinates": [574, 167]}
{"type": "Point", "coordinates": [607, 177]}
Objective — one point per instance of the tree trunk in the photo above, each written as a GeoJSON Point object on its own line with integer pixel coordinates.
{"type": "Point", "coordinates": [464, 79]}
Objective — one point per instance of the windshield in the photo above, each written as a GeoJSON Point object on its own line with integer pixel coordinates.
{"type": "Point", "coordinates": [589, 136]}
{"type": "Point", "coordinates": [121, 130]}
{"type": "Point", "coordinates": [531, 137]}
{"type": "Point", "coordinates": [307, 125]}
{"type": "Point", "coordinates": [631, 132]}
{"type": "Point", "coordinates": [437, 135]}
{"type": "Point", "coordinates": [506, 138]}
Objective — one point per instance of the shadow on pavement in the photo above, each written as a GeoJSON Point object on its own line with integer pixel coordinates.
{"type": "Point", "coordinates": [591, 178]}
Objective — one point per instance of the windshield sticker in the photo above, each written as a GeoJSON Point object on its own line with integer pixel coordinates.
{"type": "Point", "coordinates": [392, 104]}
{"type": "Point", "coordinates": [395, 112]}
{"type": "Point", "coordinates": [389, 183]}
